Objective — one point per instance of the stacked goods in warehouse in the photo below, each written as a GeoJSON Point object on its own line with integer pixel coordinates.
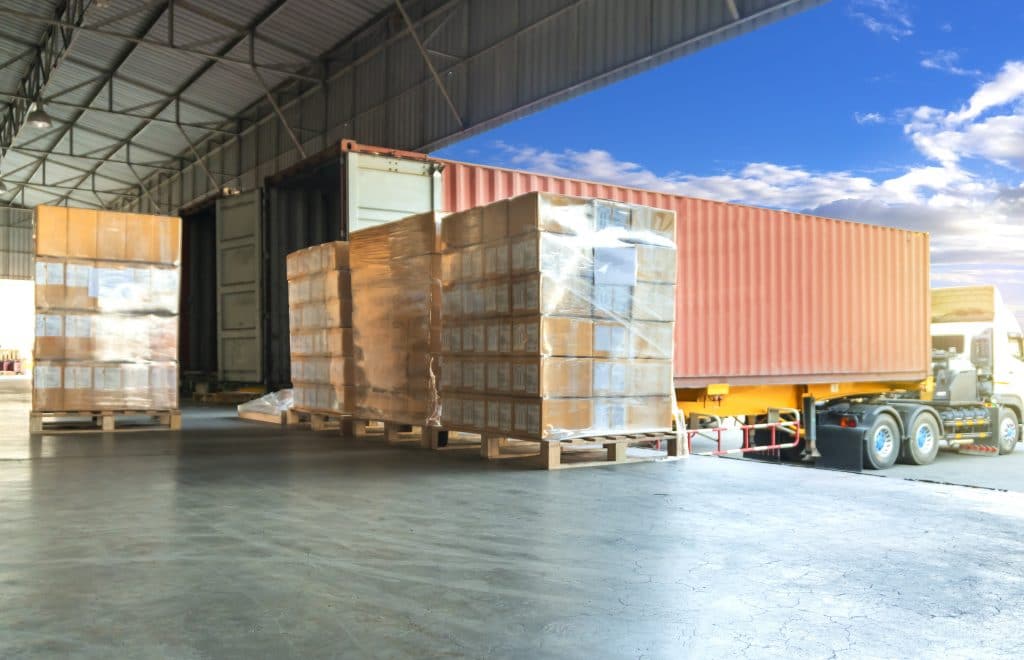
{"type": "Point", "coordinates": [106, 311]}
{"type": "Point", "coordinates": [558, 318]}
{"type": "Point", "coordinates": [320, 328]}
{"type": "Point", "coordinates": [396, 319]}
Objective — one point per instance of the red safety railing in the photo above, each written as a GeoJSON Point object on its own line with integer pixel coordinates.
{"type": "Point", "coordinates": [782, 429]}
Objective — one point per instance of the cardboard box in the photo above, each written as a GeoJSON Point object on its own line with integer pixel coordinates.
{"type": "Point", "coordinates": [334, 255]}
{"type": "Point", "coordinates": [463, 228]}
{"type": "Point", "coordinates": [47, 387]}
{"type": "Point", "coordinates": [167, 242]}
{"type": "Point", "coordinates": [551, 419]}
{"type": "Point", "coordinates": [80, 285]}
{"type": "Point", "coordinates": [140, 238]}
{"type": "Point", "coordinates": [51, 231]}
{"type": "Point", "coordinates": [497, 258]}
{"type": "Point", "coordinates": [544, 294]}
{"type": "Point", "coordinates": [498, 336]}
{"type": "Point", "coordinates": [612, 339]}
{"type": "Point", "coordinates": [111, 235]}
{"type": "Point", "coordinates": [632, 414]}
{"type": "Point", "coordinates": [656, 264]}
{"type": "Point", "coordinates": [79, 336]}
{"type": "Point", "coordinates": [557, 377]}
{"type": "Point", "coordinates": [78, 387]}
{"type": "Point", "coordinates": [549, 212]}
{"type": "Point", "coordinates": [659, 225]}
{"type": "Point", "coordinates": [562, 256]}
{"type": "Point", "coordinates": [49, 343]}
{"type": "Point", "coordinates": [163, 385]}
{"type": "Point", "coordinates": [50, 290]}
{"type": "Point", "coordinates": [651, 340]}
{"type": "Point", "coordinates": [498, 376]}
{"type": "Point", "coordinates": [474, 337]}
{"type": "Point", "coordinates": [632, 378]}
{"type": "Point", "coordinates": [494, 221]}
{"type": "Point", "coordinates": [414, 236]}
{"type": "Point", "coordinates": [611, 215]}
{"type": "Point", "coordinates": [552, 335]}
{"type": "Point", "coordinates": [500, 415]}
{"type": "Point", "coordinates": [82, 231]}
{"type": "Point", "coordinates": [654, 302]}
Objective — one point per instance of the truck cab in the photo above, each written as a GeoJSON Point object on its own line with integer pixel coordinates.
{"type": "Point", "coordinates": [959, 315]}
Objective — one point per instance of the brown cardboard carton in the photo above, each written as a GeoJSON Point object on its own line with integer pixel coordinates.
{"type": "Point", "coordinates": [471, 263]}
{"type": "Point", "coordinates": [451, 411]}
{"type": "Point", "coordinates": [111, 235]}
{"type": "Point", "coordinates": [654, 302]}
{"type": "Point", "coordinates": [551, 419]}
{"type": "Point", "coordinates": [109, 390]}
{"type": "Point", "coordinates": [633, 414]}
{"type": "Point", "coordinates": [500, 415]}
{"type": "Point", "coordinates": [49, 344]}
{"type": "Point", "coordinates": [47, 387]}
{"type": "Point", "coordinates": [496, 258]}
{"type": "Point", "coordinates": [612, 339]}
{"type": "Point", "coordinates": [78, 388]}
{"type": "Point", "coordinates": [80, 285]}
{"type": "Point", "coordinates": [449, 377]}
{"type": "Point", "coordinates": [82, 233]}
{"type": "Point", "coordinates": [658, 223]}
{"type": "Point", "coordinates": [552, 335]}
{"type": "Point", "coordinates": [463, 228]}
{"type": "Point", "coordinates": [499, 336]}
{"type": "Point", "coordinates": [549, 212]}
{"type": "Point", "coordinates": [650, 378]}
{"type": "Point", "coordinates": [50, 290]}
{"type": "Point", "coordinates": [335, 255]}
{"type": "Point", "coordinates": [51, 231]}
{"type": "Point", "coordinates": [498, 375]}
{"type": "Point", "coordinates": [79, 336]}
{"type": "Point", "coordinates": [494, 221]}
{"type": "Point", "coordinates": [163, 385]}
{"type": "Point", "coordinates": [141, 238]}
{"type": "Point", "coordinates": [545, 294]}
{"type": "Point", "coordinates": [415, 236]}
{"type": "Point", "coordinates": [655, 264]}
{"type": "Point", "coordinates": [561, 255]}
{"type": "Point", "coordinates": [651, 340]}
{"type": "Point", "coordinates": [167, 241]}
{"type": "Point", "coordinates": [556, 377]}
{"type": "Point", "coordinates": [163, 338]}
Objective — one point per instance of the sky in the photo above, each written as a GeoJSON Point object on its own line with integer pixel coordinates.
{"type": "Point", "coordinates": [907, 113]}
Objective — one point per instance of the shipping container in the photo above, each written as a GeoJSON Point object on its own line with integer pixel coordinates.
{"type": "Point", "coordinates": [765, 296]}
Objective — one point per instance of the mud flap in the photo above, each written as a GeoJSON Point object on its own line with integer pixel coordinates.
{"type": "Point", "coordinates": [840, 448]}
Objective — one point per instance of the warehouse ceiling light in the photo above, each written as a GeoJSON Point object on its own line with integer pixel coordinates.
{"type": "Point", "coordinates": [39, 118]}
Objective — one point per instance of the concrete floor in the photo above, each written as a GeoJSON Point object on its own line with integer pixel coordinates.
{"type": "Point", "coordinates": [236, 540]}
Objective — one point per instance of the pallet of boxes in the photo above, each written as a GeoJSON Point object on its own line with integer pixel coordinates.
{"type": "Point", "coordinates": [320, 329]}
{"type": "Point", "coordinates": [557, 329]}
{"type": "Point", "coordinates": [397, 325]}
{"type": "Point", "coordinates": [106, 298]}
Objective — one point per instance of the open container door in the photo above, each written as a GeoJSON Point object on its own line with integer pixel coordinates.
{"type": "Point", "coordinates": [382, 186]}
{"type": "Point", "coordinates": [239, 292]}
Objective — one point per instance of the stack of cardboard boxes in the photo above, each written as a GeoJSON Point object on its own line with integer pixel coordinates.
{"type": "Point", "coordinates": [558, 318]}
{"type": "Point", "coordinates": [106, 311]}
{"type": "Point", "coordinates": [396, 319]}
{"type": "Point", "coordinates": [320, 317]}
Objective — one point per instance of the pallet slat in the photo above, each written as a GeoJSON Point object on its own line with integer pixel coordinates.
{"type": "Point", "coordinates": [101, 421]}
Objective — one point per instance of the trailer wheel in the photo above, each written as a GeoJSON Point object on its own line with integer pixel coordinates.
{"type": "Point", "coordinates": [923, 441]}
{"type": "Point", "coordinates": [1009, 431]}
{"type": "Point", "coordinates": [882, 443]}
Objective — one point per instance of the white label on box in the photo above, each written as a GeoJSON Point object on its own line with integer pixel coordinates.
{"type": "Point", "coordinates": [609, 416]}
{"type": "Point", "coordinates": [609, 378]}
{"type": "Point", "coordinates": [49, 325]}
{"type": "Point", "coordinates": [40, 273]}
{"type": "Point", "coordinates": [610, 339]}
{"type": "Point", "coordinates": [49, 272]}
{"type": "Point", "coordinates": [613, 300]}
{"type": "Point", "coordinates": [79, 275]}
{"type": "Point", "coordinates": [525, 379]}
{"type": "Point", "coordinates": [46, 377]}
{"type": "Point", "coordinates": [615, 265]}
{"type": "Point", "coordinates": [78, 378]}
{"type": "Point", "coordinates": [107, 379]}
{"type": "Point", "coordinates": [78, 325]}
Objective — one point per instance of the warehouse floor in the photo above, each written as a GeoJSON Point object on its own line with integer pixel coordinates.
{"type": "Point", "coordinates": [236, 540]}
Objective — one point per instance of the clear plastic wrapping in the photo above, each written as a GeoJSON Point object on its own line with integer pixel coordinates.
{"type": "Point", "coordinates": [320, 318]}
{"type": "Point", "coordinates": [558, 317]}
{"type": "Point", "coordinates": [273, 403]}
{"type": "Point", "coordinates": [107, 295]}
{"type": "Point", "coordinates": [396, 319]}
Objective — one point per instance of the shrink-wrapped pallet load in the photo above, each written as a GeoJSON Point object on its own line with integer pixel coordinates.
{"type": "Point", "coordinates": [106, 302]}
{"type": "Point", "coordinates": [557, 318]}
{"type": "Point", "coordinates": [396, 319]}
{"type": "Point", "coordinates": [320, 328]}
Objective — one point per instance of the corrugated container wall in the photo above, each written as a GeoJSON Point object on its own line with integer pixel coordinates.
{"type": "Point", "coordinates": [16, 247]}
{"type": "Point", "coordinates": [767, 296]}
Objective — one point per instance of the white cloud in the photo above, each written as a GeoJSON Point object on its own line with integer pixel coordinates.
{"type": "Point", "coordinates": [885, 17]}
{"type": "Point", "coordinates": [1006, 87]}
{"type": "Point", "coordinates": [868, 118]}
{"type": "Point", "coordinates": [946, 27]}
{"type": "Point", "coordinates": [948, 61]}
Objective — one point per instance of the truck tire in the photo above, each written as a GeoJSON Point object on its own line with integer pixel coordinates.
{"type": "Point", "coordinates": [922, 444]}
{"type": "Point", "coordinates": [882, 443]}
{"type": "Point", "coordinates": [1009, 431]}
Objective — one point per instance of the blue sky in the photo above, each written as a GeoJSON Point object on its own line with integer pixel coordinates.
{"type": "Point", "coordinates": [900, 112]}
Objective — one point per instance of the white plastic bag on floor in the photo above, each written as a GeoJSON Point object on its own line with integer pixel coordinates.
{"type": "Point", "coordinates": [274, 403]}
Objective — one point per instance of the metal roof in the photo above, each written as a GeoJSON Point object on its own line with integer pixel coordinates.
{"type": "Point", "coordinates": [156, 103]}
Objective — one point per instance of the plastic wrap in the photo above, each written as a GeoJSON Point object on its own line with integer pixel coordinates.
{"type": "Point", "coordinates": [396, 319]}
{"type": "Point", "coordinates": [273, 403]}
{"type": "Point", "coordinates": [558, 318]}
{"type": "Point", "coordinates": [320, 327]}
{"type": "Point", "coordinates": [107, 295]}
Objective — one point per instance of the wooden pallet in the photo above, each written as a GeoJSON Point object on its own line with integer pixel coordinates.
{"type": "Point", "coordinates": [103, 421]}
{"type": "Point", "coordinates": [585, 452]}
{"type": "Point", "coordinates": [234, 397]}
{"type": "Point", "coordinates": [320, 420]}
{"type": "Point", "coordinates": [265, 418]}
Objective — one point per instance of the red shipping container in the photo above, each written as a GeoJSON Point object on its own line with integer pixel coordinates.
{"type": "Point", "coordinates": [766, 296]}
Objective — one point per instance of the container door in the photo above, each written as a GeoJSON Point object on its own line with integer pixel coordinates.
{"type": "Point", "coordinates": [381, 189]}
{"type": "Point", "coordinates": [239, 313]}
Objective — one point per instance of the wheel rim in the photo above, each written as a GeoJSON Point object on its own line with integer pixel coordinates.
{"type": "Point", "coordinates": [1008, 432]}
{"type": "Point", "coordinates": [925, 438]}
{"type": "Point", "coordinates": [884, 442]}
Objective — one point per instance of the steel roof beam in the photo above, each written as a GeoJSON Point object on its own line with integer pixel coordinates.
{"type": "Point", "coordinates": [148, 43]}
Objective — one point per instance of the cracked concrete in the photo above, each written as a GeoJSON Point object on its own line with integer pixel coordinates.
{"type": "Point", "coordinates": [237, 540]}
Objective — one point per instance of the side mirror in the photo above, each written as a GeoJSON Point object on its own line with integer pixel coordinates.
{"type": "Point", "coordinates": [981, 351]}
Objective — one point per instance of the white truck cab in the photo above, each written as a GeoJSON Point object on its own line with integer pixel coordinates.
{"type": "Point", "coordinates": [960, 314]}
